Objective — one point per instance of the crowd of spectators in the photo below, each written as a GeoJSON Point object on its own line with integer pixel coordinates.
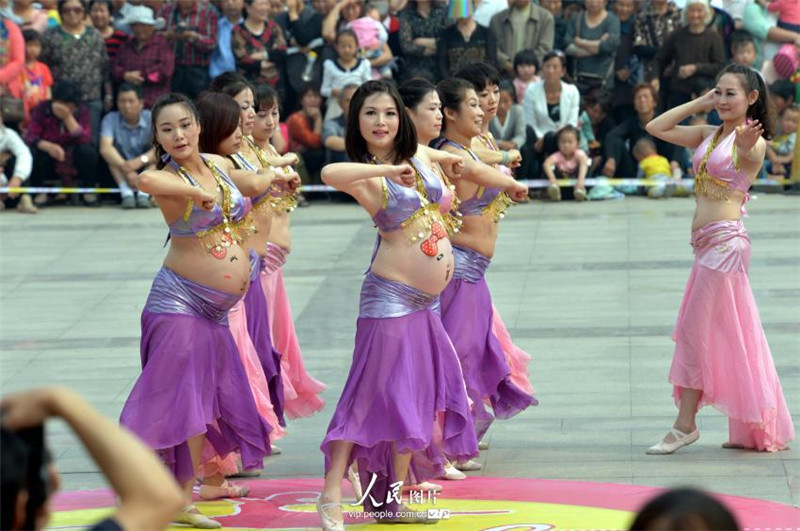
{"type": "Point", "coordinates": [78, 76]}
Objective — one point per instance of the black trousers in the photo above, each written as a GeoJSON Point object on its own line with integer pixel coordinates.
{"type": "Point", "coordinates": [84, 157]}
{"type": "Point", "coordinates": [190, 80]}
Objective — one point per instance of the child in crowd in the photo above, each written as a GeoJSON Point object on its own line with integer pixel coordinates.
{"type": "Point", "coordinates": [782, 93]}
{"type": "Point", "coordinates": [525, 68]}
{"type": "Point", "coordinates": [743, 49]}
{"type": "Point", "coordinates": [781, 150]}
{"type": "Point", "coordinates": [373, 40]}
{"type": "Point", "coordinates": [36, 77]}
{"type": "Point", "coordinates": [653, 166]}
{"type": "Point", "coordinates": [788, 13]}
{"type": "Point", "coordinates": [569, 162]}
{"type": "Point", "coordinates": [346, 69]}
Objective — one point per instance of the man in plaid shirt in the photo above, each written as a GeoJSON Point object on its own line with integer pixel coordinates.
{"type": "Point", "coordinates": [192, 27]}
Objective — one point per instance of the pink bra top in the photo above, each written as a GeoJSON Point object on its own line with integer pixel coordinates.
{"type": "Point", "coordinates": [716, 167]}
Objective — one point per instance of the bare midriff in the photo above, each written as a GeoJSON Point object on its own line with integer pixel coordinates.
{"type": "Point", "coordinates": [264, 224]}
{"type": "Point", "coordinates": [478, 233]}
{"type": "Point", "coordinates": [188, 258]}
{"type": "Point", "coordinates": [279, 233]}
{"type": "Point", "coordinates": [402, 260]}
{"type": "Point", "coordinates": [710, 210]}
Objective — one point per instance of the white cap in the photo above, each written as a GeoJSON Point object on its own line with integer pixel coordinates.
{"type": "Point", "coordinates": [142, 15]}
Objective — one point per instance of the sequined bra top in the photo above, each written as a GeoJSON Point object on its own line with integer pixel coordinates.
{"type": "Point", "coordinates": [216, 228]}
{"type": "Point", "coordinates": [401, 206]}
{"type": "Point", "coordinates": [716, 168]}
{"type": "Point", "coordinates": [274, 198]}
{"type": "Point", "coordinates": [491, 201]}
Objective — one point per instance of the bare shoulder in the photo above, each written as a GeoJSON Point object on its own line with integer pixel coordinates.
{"type": "Point", "coordinates": [220, 161]}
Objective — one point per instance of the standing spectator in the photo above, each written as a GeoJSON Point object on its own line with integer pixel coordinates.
{"type": "Point", "coordinates": [653, 25]}
{"type": "Point", "coordinates": [36, 78]}
{"type": "Point", "coordinates": [551, 103]}
{"type": "Point", "coordinates": [465, 41]}
{"type": "Point", "coordinates": [559, 24]}
{"type": "Point", "coordinates": [420, 23]}
{"type": "Point", "coordinates": [346, 69]}
{"type": "Point", "coordinates": [788, 14]}
{"type": "Point", "coordinates": [305, 134]}
{"type": "Point", "coordinates": [691, 52]}
{"type": "Point", "coordinates": [526, 67]}
{"type": "Point", "coordinates": [192, 27]}
{"type": "Point", "coordinates": [333, 130]}
{"type": "Point", "coordinates": [485, 10]}
{"type": "Point", "coordinates": [307, 50]}
{"type": "Point", "coordinates": [146, 60]}
{"type": "Point", "coordinates": [627, 67]}
{"type": "Point", "coordinates": [260, 46]}
{"type": "Point", "coordinates": [12, 63]}
{"type": "Point", "coordinates": [523, 26]}
{"type": "Point", "coordinates": [100, 13]}
{"type": "Point", "coordinates": [223, 60]}
{"type": "Point", "coordinates": [592, 38]}
{"type": "Point", "coordinates": [619, 142]}
{"type": "Point", "coordinates": [15, 168]}
{"type": "Point", "coordinates": [76, 53]}
{"type": "Point", "coordinates": [29, 16]}
{"type": "Point", "coordinates": [60, 134]}
{"type": "Point", "coordinates": [126, 144]}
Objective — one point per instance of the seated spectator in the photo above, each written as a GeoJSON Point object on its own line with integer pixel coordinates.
{"type": "Point", "coordinates": [15, 168]}
{"type": "Point", "coordinates": [551, 103]}
{"type": "Point", "coordinates": [147, 495]}
{"type": "Point", "coordinates": [653, 166]}
{"type": "Point", "coordinates": [38, 80]}
{"type": "Point", "coordinates": [743, 49]}
{"type": "Point", "coordinates": [29, 16]}
{"type": "Point", "coordinates": [146, 60]}
{"type": "Point", "coordinates": [782, 93]}
{"type": "Point", "coordinates": [592, 39]}
{"type": "Point", "coordinates": [12, 65]}
{"type": "Point", "coordinates": [191, 27]}
{"type": "Point", "coordinates": [594, 123]}
{"type": "Point", "coordinates": [346, 69]}
{"type": "Point", "coordinates": [525, 68]}
{"type": "Point", "coordinates": [223, 60]}
{"type": "Point", "coordinates": [260, 46]}
{"type": "Point", "coordinates": [305, 135]}
{"type": "Point", "coordinates": [59, 134]}
{"type": "Point", "coordinates": [693, 51]}
{"type": "Point", "coordinates": [684, 509]}
{"type": "Point", "coordinates": [333, 130]}
{"type": "Point", "coordinates": [522, 26]}
{"type": "Point", "coordinates": [780, 151]}
{"type": "Point", "coordinates": [508, 125]}
{"type": "Point", "coordinates": [126, 144]}
{"type": "Point", "coordinates": [465, 41]}
{"type": "Point", "coordinates": [100, 13]}
{"type": "Point", "coordinates": [619, 142]}
{"type": "Point", "coordinates": [372, 36]}
{"type": "Point", "coordinates": [569, 162]}
{"type": "Point", "coordinates": [420, 23]}
{"type": "Point", "coordinates": [305, 36]}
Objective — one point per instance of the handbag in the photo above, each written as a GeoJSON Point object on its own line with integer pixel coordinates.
{"type": "Point", "coordinates": [12, 109]}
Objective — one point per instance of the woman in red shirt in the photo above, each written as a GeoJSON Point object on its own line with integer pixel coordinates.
{"type": "Point", "coordinates": [305, 134]}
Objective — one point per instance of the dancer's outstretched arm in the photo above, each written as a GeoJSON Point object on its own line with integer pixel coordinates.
{"type": "Point", "coordinates": [362, 181]}
{"type": "Point", "coordinates": [485, 175]}
{"type": "Point", "coordinates": [665, 126]}
{"type": "Point", "coordinates": [164, 183]}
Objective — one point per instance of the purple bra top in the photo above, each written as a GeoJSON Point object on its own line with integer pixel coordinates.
{"type": "Point", "coordinates": [196, 219]}
{"type": "Point", "coordinates": [483, 197]}
{"type": "Point", "coordinates": [722, 164]}
{"type": "Point", "coordinates": [400, 202]}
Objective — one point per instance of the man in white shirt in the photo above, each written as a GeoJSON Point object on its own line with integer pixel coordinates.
{"type": "Point", "coordinates": [13, 149]}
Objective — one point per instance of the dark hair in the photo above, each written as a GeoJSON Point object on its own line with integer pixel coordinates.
{"type": "Point", "coordinates": [506, 85]}
{"type": "Point", "coordinates": [414, 91]}
{"type": "Point", "coordinates": [783, 88]}
{"type": "Point", "coordinates": [644, 143]}
{"type": "Point", "coordinates": [558, 54]}
{"type": "Point", "coordinates": [479, 74]}
{"type": "Point", "coordinates": [525, 57]}
{"type": "Point", "coordinates": [703, 84]}
{"type": "Point", "coordinates": [739, 38]}
{"type": "Point", "coordinates": [31, 35]}
{"type": "Point", "coordinates": [405, 143]}
{"type": "Point", "coordinates": [306, 88]}
{"type": "Point", "coordinates": [230, 83]}
{"type": "Point", "coordinates": [346, 31]}
{"type": "Point", "coordinates": [219, 118]}
{"type": "Point", "coordinates": [67, 92]}
{"type": "Point", "coordinates": [13, 475]}
{"type": "Point", "coordinates": [566, 130]}
{"type": "Point", "coordinates": [106, 3]}
{"type": "Point", "coordinates": [762, 109]}
{"type": "Point", "coordinates": [266, 97]}
{"type": "Point", "coordinates": [61, 3]}
{"type": "Point", "coordinates": [452, 92]}
{"type": "Point", "coordinates": [599, 97]}
{"type": "Point", "coordinates": [172, 98]}
{"type": "Point", "coordinates": [644, 86]}
{"type": "Point", "coordinates": [685, 509]}
{"type": "Point", "coordinates": [129, 87]}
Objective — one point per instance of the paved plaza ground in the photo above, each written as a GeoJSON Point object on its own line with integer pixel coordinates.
{"type": "Point", "coordinates": [590, 290]}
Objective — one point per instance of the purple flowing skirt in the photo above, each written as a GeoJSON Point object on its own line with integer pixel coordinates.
{"type": "Point", "coordinates": [259, 330]}
{"type": "Point", "coordinates": [192, 381]}
{"type": "Point", "coordinates": [404, 374]}
{"type": "Point", "coordinates": [467, 317]}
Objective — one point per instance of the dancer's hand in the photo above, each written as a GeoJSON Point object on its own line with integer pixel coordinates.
{"type": "Point", "coordinates": [204, 199]}
{"type": "Point", "coordinates": [514, 158]}
{"type": "Point", "coordinates": [518, 192]}
{"type": "Point", "coordinates": [293, 181]}
{"type": "Point", "coordinates": [452, 165]}
{"type": "Point", "coordinates": [706, 101]}
{"type": "Point", "coordinates": [402, 174]}
{"type": "Point", "coordinates": [748, 134]}
{"type": "Point", "coordinates": [290, 159]}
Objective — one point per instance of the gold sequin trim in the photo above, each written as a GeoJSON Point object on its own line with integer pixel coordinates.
{"type": "Point", "coordinates": [496, 210]}
{"type": "Point", "coordinates": [707, 185]}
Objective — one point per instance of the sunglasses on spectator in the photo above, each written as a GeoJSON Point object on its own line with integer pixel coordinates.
{"type": "Point", "coordinates": [73, 10]}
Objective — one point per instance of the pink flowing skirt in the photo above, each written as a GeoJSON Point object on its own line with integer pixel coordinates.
{"type": "Point", "coordinates": [301, 391]}
{"type": "Point", "coordinates": [516, 358]}
{"type": "Point", "coordinates": [720, 346]}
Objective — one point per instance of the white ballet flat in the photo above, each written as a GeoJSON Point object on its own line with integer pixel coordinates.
{"type": "Point", "coordinates": [451, 473]}
{"type": "Point", "coordinates": [355, 482]}
{"type": "Point", "coordinates": [425, 486]}
{"type": "Point", "coordinates": [483, 445]}
{"type": "Point", "coordinates": [197, 520]}
{"type": "Point", "coordinates": [329, 523]}
{"type": "Point", "coordinates": [681, 440]}
{"type": "Point", "coordinates": [469, 466]}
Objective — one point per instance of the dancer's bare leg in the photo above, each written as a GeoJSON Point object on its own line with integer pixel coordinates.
{"type": "Point", "coordinates": [332, 491]}
{"type": "Point", "coordinates": [687, 413]}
